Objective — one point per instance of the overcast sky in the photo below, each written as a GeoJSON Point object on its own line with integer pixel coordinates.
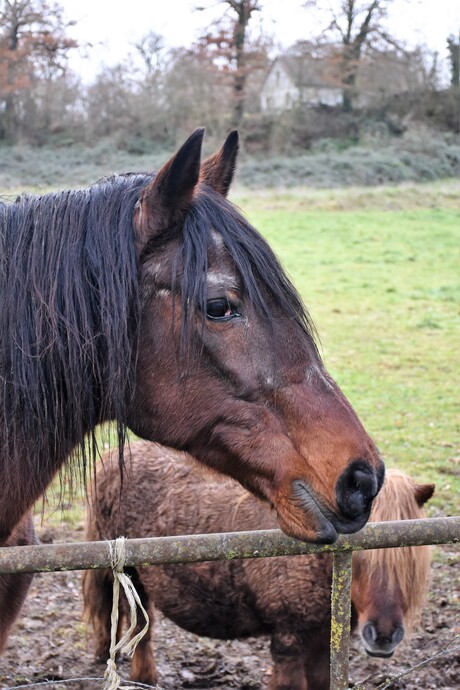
{"type": "Point", "coordinates": [113, 26]}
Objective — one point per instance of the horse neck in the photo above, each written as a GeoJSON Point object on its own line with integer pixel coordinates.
{"type": "Point", "coordinates": [68, 320]}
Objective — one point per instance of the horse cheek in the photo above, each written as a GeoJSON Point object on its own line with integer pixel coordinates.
{"type": "Point", "coordinates": [154, 386]}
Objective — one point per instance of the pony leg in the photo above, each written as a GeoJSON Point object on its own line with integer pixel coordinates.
{"type": "Point", "coordinates": [13, 591]}
{"type": "Point", "coordinates": [143, 666]}
{"type": "Point", "coordinates": [317, 660]}
{"type": "Point", "coordinates": [97, 595]}
{"type": "Point", "coordinates": [288, 665]}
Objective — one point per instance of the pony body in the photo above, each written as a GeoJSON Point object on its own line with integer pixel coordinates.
{"type": "Point", "coordinates": [286, 598]}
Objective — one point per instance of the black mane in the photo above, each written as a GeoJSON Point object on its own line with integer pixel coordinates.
{"type": "Point", "coordinates": [70, 311]}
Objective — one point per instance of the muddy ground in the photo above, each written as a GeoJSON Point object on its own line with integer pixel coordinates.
{"type": "Point", "coordinates": [51, 643]}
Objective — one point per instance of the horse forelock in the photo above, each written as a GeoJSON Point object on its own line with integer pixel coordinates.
{"type": "Point", "coordinates": [212, 221]}
{"type": "Point", "coordinates": [70, 310]}
{"type": "Point", "coordinates": [406, 568]}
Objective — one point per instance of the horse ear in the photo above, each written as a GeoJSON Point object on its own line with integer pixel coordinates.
{"type": "Point", "coordinates": [423, 493]}
{"type": "Point", "coordinates": [217, 171]}
{"type": "Point", "coordinates": [164, 201]}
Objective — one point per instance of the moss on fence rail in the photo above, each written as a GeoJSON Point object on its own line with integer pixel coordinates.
{"type": "Point", "coordinates": [230, 545]}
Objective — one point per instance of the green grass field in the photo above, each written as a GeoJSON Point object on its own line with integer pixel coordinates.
{"type": "Point", "coordinates": [379, 270]}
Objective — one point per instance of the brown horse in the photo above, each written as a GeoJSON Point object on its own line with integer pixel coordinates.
{"type": "Point", "coordinates": [287, 598]}
{"type": "Point", "coordinates": [150, 301]}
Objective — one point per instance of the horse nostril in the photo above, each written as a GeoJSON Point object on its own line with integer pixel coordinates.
{"type": "Point", "coordinates": [365, 482]}
{"type": "Point", "coordinates": [356, 488]}
{"type": "Point", "coordinates": [369, 633]}
{"type": "Point", "coordinates": [398, 635]}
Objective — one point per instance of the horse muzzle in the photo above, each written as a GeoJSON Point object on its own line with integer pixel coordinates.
{"type": "Point", "coordinates": [355, 490]}
{"type": "Point", "coordinates": [314, 512]}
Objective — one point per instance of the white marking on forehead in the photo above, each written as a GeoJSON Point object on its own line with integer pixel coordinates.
{"type": "Point", "coordinates": [163, 292]}
{"type": "Point", "coordinates": [222, 279]}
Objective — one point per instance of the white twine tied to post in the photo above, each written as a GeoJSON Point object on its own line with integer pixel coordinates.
{"type": "Point", "coordinates": [126, 645]}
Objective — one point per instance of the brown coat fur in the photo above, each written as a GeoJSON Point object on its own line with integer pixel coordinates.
{"type": "Point", "coordinates": [287, 598]}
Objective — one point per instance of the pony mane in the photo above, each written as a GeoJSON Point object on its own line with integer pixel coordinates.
{"type": "Point", "coordinates": [407, 567]}
{"type": "Point", "coordinates": [67, 355]}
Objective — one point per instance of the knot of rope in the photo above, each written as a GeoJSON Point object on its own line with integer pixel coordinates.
{"type": "Point", "coordinates": [126, 644]}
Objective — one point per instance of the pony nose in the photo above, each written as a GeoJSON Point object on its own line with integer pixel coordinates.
{"type": "Point", "coordinates": [356, 488]}
{"type": "Point", "coordinates": [376, 640]}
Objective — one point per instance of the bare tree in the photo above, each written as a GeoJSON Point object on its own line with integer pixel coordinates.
{"type": "Point", "coordinates": [453, 46]}
{"type": "Point", "coordinates": [357, 24]}
{"type": "Point", "coordinates": [149, 82]}
{"type": "Point", "coordinates": [195, 94]}
{"type": "Point", "coordinates": [151, 49]}
{"type": "Point", "coordinates": [228, 41]}
{"type": "Point", "coordinates": [33, 44]}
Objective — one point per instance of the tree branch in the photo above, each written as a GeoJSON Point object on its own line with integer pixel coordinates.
{"type": "Point", "coordinates": [448, 649]}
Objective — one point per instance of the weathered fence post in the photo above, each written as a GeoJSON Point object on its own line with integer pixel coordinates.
{"type": "Point", "coordinates": [340, 620]}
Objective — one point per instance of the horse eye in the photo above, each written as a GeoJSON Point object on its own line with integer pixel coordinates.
{"type": "Point", "coordinates": [220, 310]}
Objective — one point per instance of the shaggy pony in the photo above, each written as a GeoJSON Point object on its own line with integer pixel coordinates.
{"type": "Point", "coordinates": [287, 598]}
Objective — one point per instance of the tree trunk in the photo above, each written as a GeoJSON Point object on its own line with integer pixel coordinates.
{"type": "Point", "coordinates": [349, 73]}
{"type": "Point", "coordinates": [239, 82]}
{"type": "Point", "coordinates": [8, 126]}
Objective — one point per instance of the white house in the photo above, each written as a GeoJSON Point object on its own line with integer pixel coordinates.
{"type": "Point", "coordinates": [292, 80]}
{"type": "Point", "coordinates": [308, 80]}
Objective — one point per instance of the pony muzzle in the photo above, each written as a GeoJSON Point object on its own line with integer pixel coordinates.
{"type": "Point", "coordinates": [378, 644]}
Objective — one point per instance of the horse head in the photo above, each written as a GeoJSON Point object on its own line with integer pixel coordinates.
{"type": "Point", "coordinates": [227, 366]}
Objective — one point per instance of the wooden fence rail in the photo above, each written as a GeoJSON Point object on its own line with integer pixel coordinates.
{"type": "Point", "coordinates": [256, 544]}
